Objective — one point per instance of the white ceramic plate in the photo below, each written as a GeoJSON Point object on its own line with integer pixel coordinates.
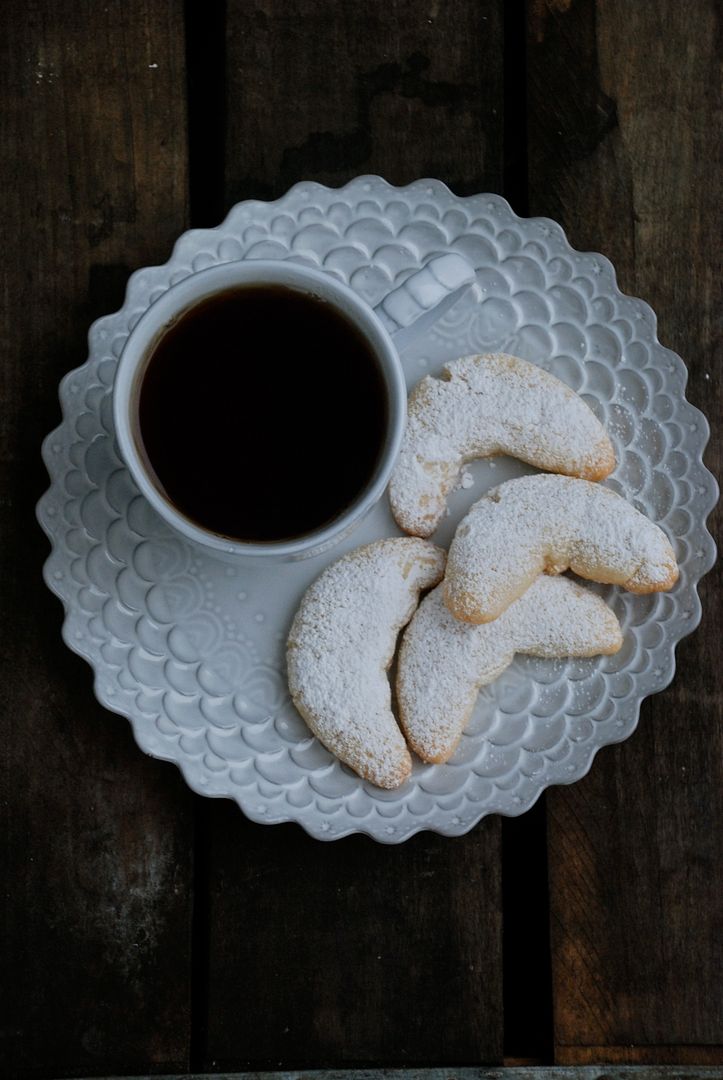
{"type": "Point", "coordinates": [191, 649]}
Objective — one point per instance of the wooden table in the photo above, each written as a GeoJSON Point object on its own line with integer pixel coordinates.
{"type": "Point", "coordinates": [150, 930]}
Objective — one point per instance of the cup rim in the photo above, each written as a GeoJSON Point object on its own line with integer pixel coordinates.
{"type": "Point", "coordinates": [183, 295]}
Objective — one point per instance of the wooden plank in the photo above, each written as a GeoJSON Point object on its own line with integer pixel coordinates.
{"type": "Point", "coordinates": [96, 837]}
{"type": "Point", "coordinates": [351, 952]}
{"type": "Point", "coordinates": [623, 134]}
{"type": "Point", "coordinates": [655, 1057]}
{"type": "Point", "coordinates": [326, 91]}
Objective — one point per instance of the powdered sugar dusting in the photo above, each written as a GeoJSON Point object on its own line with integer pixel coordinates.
{"type": "Point", "coordinates": [549, 523]}
{"type": "Point", "coordinates": [485, 405]}
{"type": "Point", "coordinates": [443, 662]}
{"type": "Point", "coordinates": [341, 644]}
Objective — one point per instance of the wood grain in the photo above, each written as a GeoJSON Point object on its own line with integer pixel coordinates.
{"type": "Point", "coordinates": [329, 90]}
{"type": "Point", "coordinates": [623, 111]}
{"type": "Point", "coordinates": [351, 953]}
{"type": "Point", "coordinates": [584, 1072]}
{"type": "Point", "coordinates": [96, 837]}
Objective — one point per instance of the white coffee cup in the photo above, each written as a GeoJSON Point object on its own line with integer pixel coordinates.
{"type": "Point", "coordinates": [408, 309]}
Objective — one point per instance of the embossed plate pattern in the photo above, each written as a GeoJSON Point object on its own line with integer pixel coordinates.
{"type": "Point", "coordinates": [190, 648]}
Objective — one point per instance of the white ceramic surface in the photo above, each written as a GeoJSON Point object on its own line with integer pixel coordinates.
{"type": "Point", "coordinates": [421, 295]}
{"type": "Point", "coordinates": [191, 649]}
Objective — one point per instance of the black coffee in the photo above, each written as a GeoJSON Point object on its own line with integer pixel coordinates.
{"type": "Point", "coordinates": [263, 412]}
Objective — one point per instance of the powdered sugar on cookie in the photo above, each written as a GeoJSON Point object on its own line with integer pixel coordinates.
{"type": "Point", "coordinates": [486, 405]}
{"type": "Point", "coordinates": [444, 662]}
{"type": "Point", "coordinates": [549, 523]}
{"type": "Point", "coordinates": [341, 644]}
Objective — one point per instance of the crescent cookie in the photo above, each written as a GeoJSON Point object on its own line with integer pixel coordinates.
{"type": "Point", "coordinates": [443, 662]}
{"type": "Point", "coordinates": [341, 644]}
{"type": "Point", "coordinates": [486, 405]}
{"type": "Point", "coordinates": [551, 523]}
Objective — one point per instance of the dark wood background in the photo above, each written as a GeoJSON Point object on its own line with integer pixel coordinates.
{"type": "Point", "coordinates": [147, 929]}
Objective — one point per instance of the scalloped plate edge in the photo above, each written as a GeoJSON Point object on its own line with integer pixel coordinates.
{"type": "Point", "coordinates": [312, 829]}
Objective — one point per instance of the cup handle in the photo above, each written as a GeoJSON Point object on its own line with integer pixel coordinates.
{"type": "Point", "coordinates": [424, 297]}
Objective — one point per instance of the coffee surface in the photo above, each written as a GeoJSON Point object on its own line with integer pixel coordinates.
{"type": "Point", "coordinates": [263, 412]}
